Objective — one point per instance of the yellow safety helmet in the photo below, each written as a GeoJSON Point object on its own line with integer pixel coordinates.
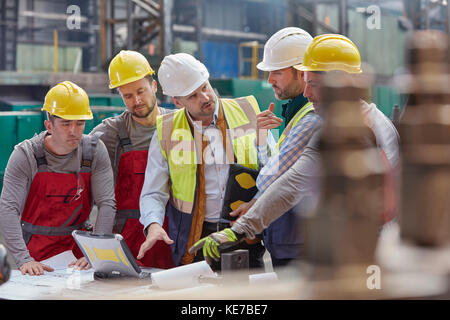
{"type": "Point", "coordinates": [329, 52]}
{"type": "Point", "coordinates": [128, 66]}
{"type": "Point", "coordinates": [68, 101]}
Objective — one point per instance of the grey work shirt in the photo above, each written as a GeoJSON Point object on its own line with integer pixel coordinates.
{"type": "Point", "coordinates": [19, 175]}
{"type": "Point", "coordinates": [140, 135]}
{"type": "Point", "coordinates": [300, 184]}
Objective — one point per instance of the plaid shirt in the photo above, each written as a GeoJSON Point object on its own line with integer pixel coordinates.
{"type": "Point", "coordinates": [290, 150]}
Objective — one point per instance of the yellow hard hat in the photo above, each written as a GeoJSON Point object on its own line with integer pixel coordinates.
{"type": "Point", "coordinates": [68, 101]}
{"type": "Point", "coordinates": [128, 66]}
{"type": "Point", "coordinates": [329, 52]}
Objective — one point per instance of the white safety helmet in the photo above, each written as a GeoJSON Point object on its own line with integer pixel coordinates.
{"type": "Point", "coordinates": [285, 49]}
{"type": "Point", "coordinates": [180, 74]}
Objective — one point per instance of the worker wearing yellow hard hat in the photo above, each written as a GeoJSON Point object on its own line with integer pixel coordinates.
{"type": "Point", "coordinates": [51, 182]}
{"type": "Point", "coordinates": [300, 186]}
{"type": "Point", "coordinates": [127, 138]}
{"type": "Point", "coordinates": [126, 67]}
{"type": "Point", "coordinates": [68, 101]}
{"type": "Point", "coordinates": [283, 50]}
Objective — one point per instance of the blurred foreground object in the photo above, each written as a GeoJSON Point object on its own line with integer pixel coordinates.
{"type": "Point", "coordinates": [5, 270]}
{"type": "Point", "coordinates": [425, 132]}
{"type": "Point", "coordinates": [344, 229]}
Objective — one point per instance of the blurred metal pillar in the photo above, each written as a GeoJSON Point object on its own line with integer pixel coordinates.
{"type": "Point", "coordinates": [165, 34]}
{"type": "Point", "coordinates": [448, 18]}
{"type": "Point", "coordinates": [343, 24]}
{"type": "Point", "coordinates": [109, 29]}
{"type": "Point", "coordinates": [130, 6]}
{"type": "Point", "coordinates": [343, 231]}
{"type": "Point", "coordinates": [102, 17]}
{"type": "Point", "coordinates": [198, 28]}
{"type": "Point", "coordinates": [90, 52]}
{"type": "Point", "coordinates": [9, 10]}
{"type": "Point", "coordinates": [425, 143]}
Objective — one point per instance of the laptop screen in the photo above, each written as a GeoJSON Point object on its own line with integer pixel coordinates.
{"type": "Point", "coordinates": [107, 253]}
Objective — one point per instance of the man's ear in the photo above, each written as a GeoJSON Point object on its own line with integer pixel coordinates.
{"type": "Point", "coordinates": [155, 86]}
{"type": "Point", "coordinates": [302, 75]}
{"type": "Point", "coordinates": [177, 103]}
{"type": "Point", "coordinates": [48, 125]}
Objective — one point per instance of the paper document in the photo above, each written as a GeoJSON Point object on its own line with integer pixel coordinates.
{"type": "Point", "coordinates": [61, 260]}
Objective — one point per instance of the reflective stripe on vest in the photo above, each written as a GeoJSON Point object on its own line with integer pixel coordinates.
{"type": "Point", "coordinates": [182, 149]}
{"type": "Point", "coordinates": [307, 108]}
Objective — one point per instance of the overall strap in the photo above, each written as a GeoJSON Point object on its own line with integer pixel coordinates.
{"type": "Point", "coordinates": [39, 155]}
{"type": "Point", "coordinates": [124, 139]}
{"type": "Point", "coordinates": [88, 146]}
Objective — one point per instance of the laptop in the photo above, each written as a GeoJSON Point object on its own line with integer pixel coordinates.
{"type": "Point", "coordinates": [108, 255]}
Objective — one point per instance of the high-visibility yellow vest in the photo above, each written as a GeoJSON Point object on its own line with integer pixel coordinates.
{"type": "Point", "coordinates": [307, 108]}
{"type": "Point", "coordinates": [183, 150]}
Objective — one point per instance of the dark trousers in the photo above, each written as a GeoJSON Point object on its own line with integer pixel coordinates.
{"type": "Point", "coordinates": [255, 251]}
{"type": "Point", "coordinates": [280, 262]}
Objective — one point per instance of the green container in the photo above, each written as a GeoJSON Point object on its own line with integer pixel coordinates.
{"type": "Point", "coordinates": [115, 100]}
{"type": "Point", "coordinates": [17, 126]}
{"type": "Point", "coordinates": [28, 125]}
{"type": "Point", "coordinates": [19, 105]}
{"type": "Point", "coordinates": [98, 100]}
{"type": "Point", "coordinates": [106, 100]}
{"type": "Point", "coordinates": [101, 113]}
{"type": "Point", "coordinates": [386, 98]}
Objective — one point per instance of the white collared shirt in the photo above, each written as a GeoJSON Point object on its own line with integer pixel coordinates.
{"type": "Point", "coordinates": [155, 191]}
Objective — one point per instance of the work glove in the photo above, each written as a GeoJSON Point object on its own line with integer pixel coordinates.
{"type": "Point", "coordinates": [216, 243]}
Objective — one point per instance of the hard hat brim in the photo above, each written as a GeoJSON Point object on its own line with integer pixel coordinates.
{"type": "Point", "coordinates": [129, 80]}
{"type": "Point", "coordinates": [78, 117]}
{"type": "Point", "coordinates": [353, 70]}
{"type": "Point", "coordinates": [268, 68]}
{"type": "Point", "coordinates": [71, 116]}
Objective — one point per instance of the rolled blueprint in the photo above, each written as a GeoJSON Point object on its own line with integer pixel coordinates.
{"type": "Point", "coordinates": [182, 277]}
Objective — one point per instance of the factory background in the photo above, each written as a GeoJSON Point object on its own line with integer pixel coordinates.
{"type": "Point", "coordinates": [43, 42]}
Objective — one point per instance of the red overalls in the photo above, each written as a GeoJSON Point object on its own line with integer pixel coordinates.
{"type": "Point", "coordinates": [57, 204]}
{"type": "Point", "coordinates": [130, 179]}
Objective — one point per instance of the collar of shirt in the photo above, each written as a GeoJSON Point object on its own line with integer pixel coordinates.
{"type": "Point", "coordinates": [213, 123]}
{"type": "Point", "coordinates": [292, 106]}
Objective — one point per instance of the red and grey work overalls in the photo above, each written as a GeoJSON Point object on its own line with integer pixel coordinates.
{"type": "Point", "coordinates": [130, 179]}
{"type": "Point", "coordinates": [57, 204]}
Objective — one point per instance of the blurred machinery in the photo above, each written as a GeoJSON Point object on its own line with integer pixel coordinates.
{"type": "Point", "coordinates": [344, 229]}
{"type": "Point", "coordinates": [5, 269]}
{"type": "Point", "coordinates": [425, 132]}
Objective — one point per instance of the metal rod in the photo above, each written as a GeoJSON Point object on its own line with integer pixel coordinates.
{"type": "Point", "coordinates": [55, 51]}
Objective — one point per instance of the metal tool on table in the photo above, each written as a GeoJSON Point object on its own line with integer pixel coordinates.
{"type": "Point", "coordinates": [234, 268]}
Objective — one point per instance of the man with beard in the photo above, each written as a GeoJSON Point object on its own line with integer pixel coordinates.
{"type": "Point", "coordinates": [127, 138]}
{"type": "Point", "coordinates": [282, 52]}
{"type": "Point", "coordinates": [300, 185]}
{"type": "Point", "coordinates": [190, 159]}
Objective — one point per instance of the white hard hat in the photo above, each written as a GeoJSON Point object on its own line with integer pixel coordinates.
{"type": "Point", "coordinates": [285, 49]}
{"type": "Point", "coordinates": [180, 74]}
